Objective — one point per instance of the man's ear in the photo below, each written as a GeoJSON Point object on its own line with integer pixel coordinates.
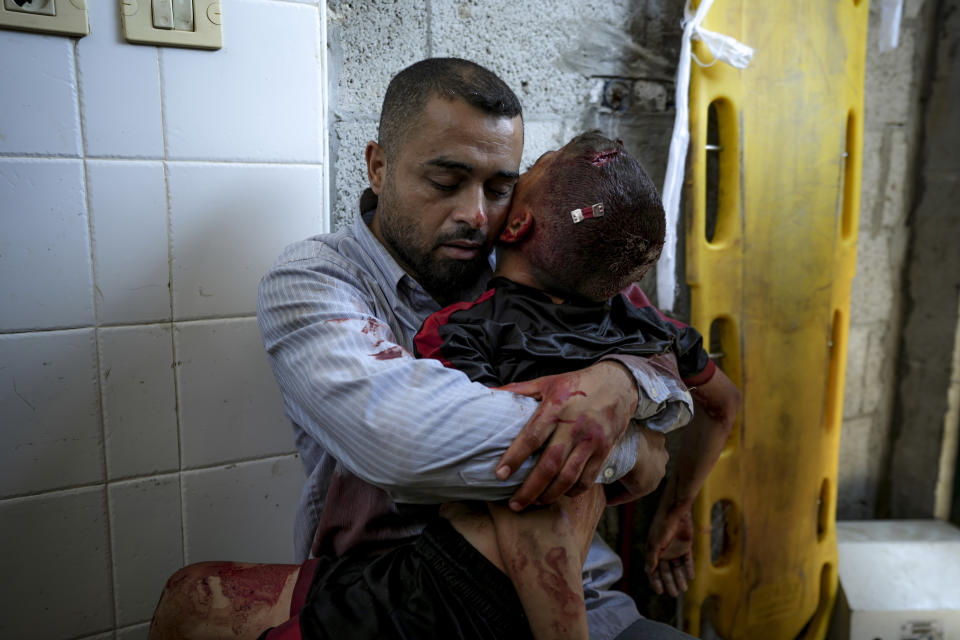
{"type": "Point", "coordinates": [519, 224]}
{"type": "Point", "coordinates": [376, 166]}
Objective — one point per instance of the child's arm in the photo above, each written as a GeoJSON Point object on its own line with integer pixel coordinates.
{"type": "Point", "coordinates": [669, 562]}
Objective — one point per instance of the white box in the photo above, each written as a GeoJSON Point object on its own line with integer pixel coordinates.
{"type": "Point", "coordinates": [899, 580]}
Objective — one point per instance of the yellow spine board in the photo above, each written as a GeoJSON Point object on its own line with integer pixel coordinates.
{"type": "Point", "coordinates": [776, 277]}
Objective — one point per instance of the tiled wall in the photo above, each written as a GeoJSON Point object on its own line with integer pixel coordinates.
{"type": "Point", "coordinates": [143, 192]}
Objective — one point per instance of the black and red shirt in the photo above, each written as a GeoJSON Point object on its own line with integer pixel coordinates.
{"type": "Point", "coordinates": [513, 333]}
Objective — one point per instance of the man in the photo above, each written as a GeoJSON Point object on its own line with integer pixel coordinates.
{"type": "Point", "coordinates": [385, 437]}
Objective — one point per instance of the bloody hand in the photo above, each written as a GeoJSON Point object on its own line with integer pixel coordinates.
{"type": "Point", "coordinates": [581, 416]}
{"type": "Point", "coordinates": [669, 561]}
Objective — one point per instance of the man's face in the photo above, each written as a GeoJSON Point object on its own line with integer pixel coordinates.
{"type": "Point", "coordinates": [445, 193]}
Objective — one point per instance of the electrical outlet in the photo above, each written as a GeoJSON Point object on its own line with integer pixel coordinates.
{"type": "Point", "coordinates": [42, 7]}
{"type": "Point", "coordinates": [61, 17]}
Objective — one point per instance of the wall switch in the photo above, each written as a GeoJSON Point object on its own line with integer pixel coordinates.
{"type": "Point", "coordinates": [183, 15]}
{"type": "Point", "coordinates": [162, 14]}
{"type": "Point", "coordinates": [172, 23]}
{"type": "Point", "coordinates": [61, 17]}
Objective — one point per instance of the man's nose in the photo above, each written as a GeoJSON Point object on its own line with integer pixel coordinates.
{"type": "Point", "coordinates": [472, 208]}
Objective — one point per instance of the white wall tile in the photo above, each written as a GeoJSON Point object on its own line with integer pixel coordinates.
{"type": "Point", "coordinates": [242, 512]}
{"type": "Point", "coordinates": [230, 407]}
{"type": "Point", "coordinates": [138, 632]}
{"type": "Point", "coordinates": [257, 98]}
{"type": "Point", "coordinates": [128, 211]}
{"type": "Point", "coordinates": [55, 564]}
{"type": "Point", "coordinates": [45, 276]}
{"type": "Point", "coordinates": [119, 89]}
{"type": "Point", "coordinates": [51, 413]}
{"type": "Point", "coordinates": [229, 222]}
{"type": "Point", "coordinates": [38, 103]}
{"type": "Point", "coordinates": [139, 400]}
{"type": "Point", "coordinates": [147, 548]}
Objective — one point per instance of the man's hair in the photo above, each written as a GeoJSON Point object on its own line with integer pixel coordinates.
{"type": "Point", "coordinates": [451, 78]}
{"type": "Point", "coordinates": [596, 257]}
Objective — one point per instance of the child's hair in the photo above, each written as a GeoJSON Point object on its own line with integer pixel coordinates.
{"type": "Point", "coordinates": [598, 256]}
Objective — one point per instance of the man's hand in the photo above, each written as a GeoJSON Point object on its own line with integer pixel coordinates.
{"type": "Point", "coordinates": [669, 561]}
{"type": "Point", "coordinates": [581, 416]}
{"type": "Point", "coordinates": [646, 474]}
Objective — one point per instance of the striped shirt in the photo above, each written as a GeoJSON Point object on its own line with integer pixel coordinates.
{"type": "Point", "coordinates": [385, 437]}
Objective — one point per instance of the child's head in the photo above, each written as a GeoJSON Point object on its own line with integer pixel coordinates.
{"type": "Point", "coordinates": [602, 252]}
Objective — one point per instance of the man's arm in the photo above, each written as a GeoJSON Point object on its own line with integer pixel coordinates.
{"type": "Point", "coordinates": [669, 562]}
{"type": "Point", "coordinates": [422, 432]}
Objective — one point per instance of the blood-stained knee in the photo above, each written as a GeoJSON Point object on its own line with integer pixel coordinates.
{"type": "Point", "coordinates": [207, 598]}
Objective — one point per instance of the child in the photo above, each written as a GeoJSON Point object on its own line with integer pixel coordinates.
{"type": "Point", "coordinates": [585, 222]}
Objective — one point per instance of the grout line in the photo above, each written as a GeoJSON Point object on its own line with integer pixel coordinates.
{"type": "Point", "coordinates": [116, 158]}
{"type": "Point", "coordinates": [22, 155]}
{"type": "Point", "coordinates": [96, 340]}
{"type": "Point", "coordinates": [95, 634]}
{"type": "Point", "coordinates": [135, 625]}
{"type": "Point", "coordinates": [325, 213]}
{"type": "Point", "coordinates": [137, 323]}
{"type": "Point", "coordinates": [282, 163]}
{"type": "Point", "coordinates": [243, 461]}
{"type": "Point", "coordinates": [429, 8]}
{"type": "Point", "coordinates": [173, 329]}
{"type": "Point", "coordinates": [300, 4]}
{"type": "Point", "coordinates": [148, 476]}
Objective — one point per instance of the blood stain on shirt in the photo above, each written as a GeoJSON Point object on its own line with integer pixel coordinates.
{"type": "Point", "coordinates": [388, 354]}
{"type": "Point", "coordinates": [372, 325]}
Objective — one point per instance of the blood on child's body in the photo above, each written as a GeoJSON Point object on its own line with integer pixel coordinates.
{"type": "Point", "coordinates": [228, 593]}
{"type": "Point", "coordinates": [601, 157]}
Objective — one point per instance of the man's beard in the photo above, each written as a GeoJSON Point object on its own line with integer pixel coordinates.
{"type": "Point", "coordinates": [445, 279]}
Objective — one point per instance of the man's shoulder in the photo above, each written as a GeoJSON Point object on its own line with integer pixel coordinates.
{"type": "Point", "coordinates": [339, 247]}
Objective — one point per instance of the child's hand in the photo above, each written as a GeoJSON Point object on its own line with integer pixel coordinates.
{"type": "Point", "coordinates": [646, 474]}
{"type": "Point", "coordinates": [669, 561]}
{"type": "Point", "coordinates": [581, 417]}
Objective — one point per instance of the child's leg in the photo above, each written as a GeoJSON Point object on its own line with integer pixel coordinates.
{"type": "Point", "coordinates": [542, 550]}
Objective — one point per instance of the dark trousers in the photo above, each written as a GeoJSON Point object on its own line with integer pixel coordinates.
{"type": "Point", "coordinates": [652, 630]}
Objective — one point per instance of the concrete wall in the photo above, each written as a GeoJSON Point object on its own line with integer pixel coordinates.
{"type": "Point", "coordinates": [143, 192]}
{"type": "Point", "coordinates": [894, 86]}
{"type": "Point", "coordinates": [546, 51]}
{"type": "Point", "coordinates": [924, 429]}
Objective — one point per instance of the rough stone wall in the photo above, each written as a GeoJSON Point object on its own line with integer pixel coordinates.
{"type": "Point", "coordinates": [548, 51]}
{"type": "Point", "coordinates": [894, 82]}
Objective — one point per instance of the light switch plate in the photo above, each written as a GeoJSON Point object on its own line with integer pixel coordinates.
{"type": "Point", "coordinates": [70, 19]}
{"type": "Point", "coordinates": [138, 26]}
